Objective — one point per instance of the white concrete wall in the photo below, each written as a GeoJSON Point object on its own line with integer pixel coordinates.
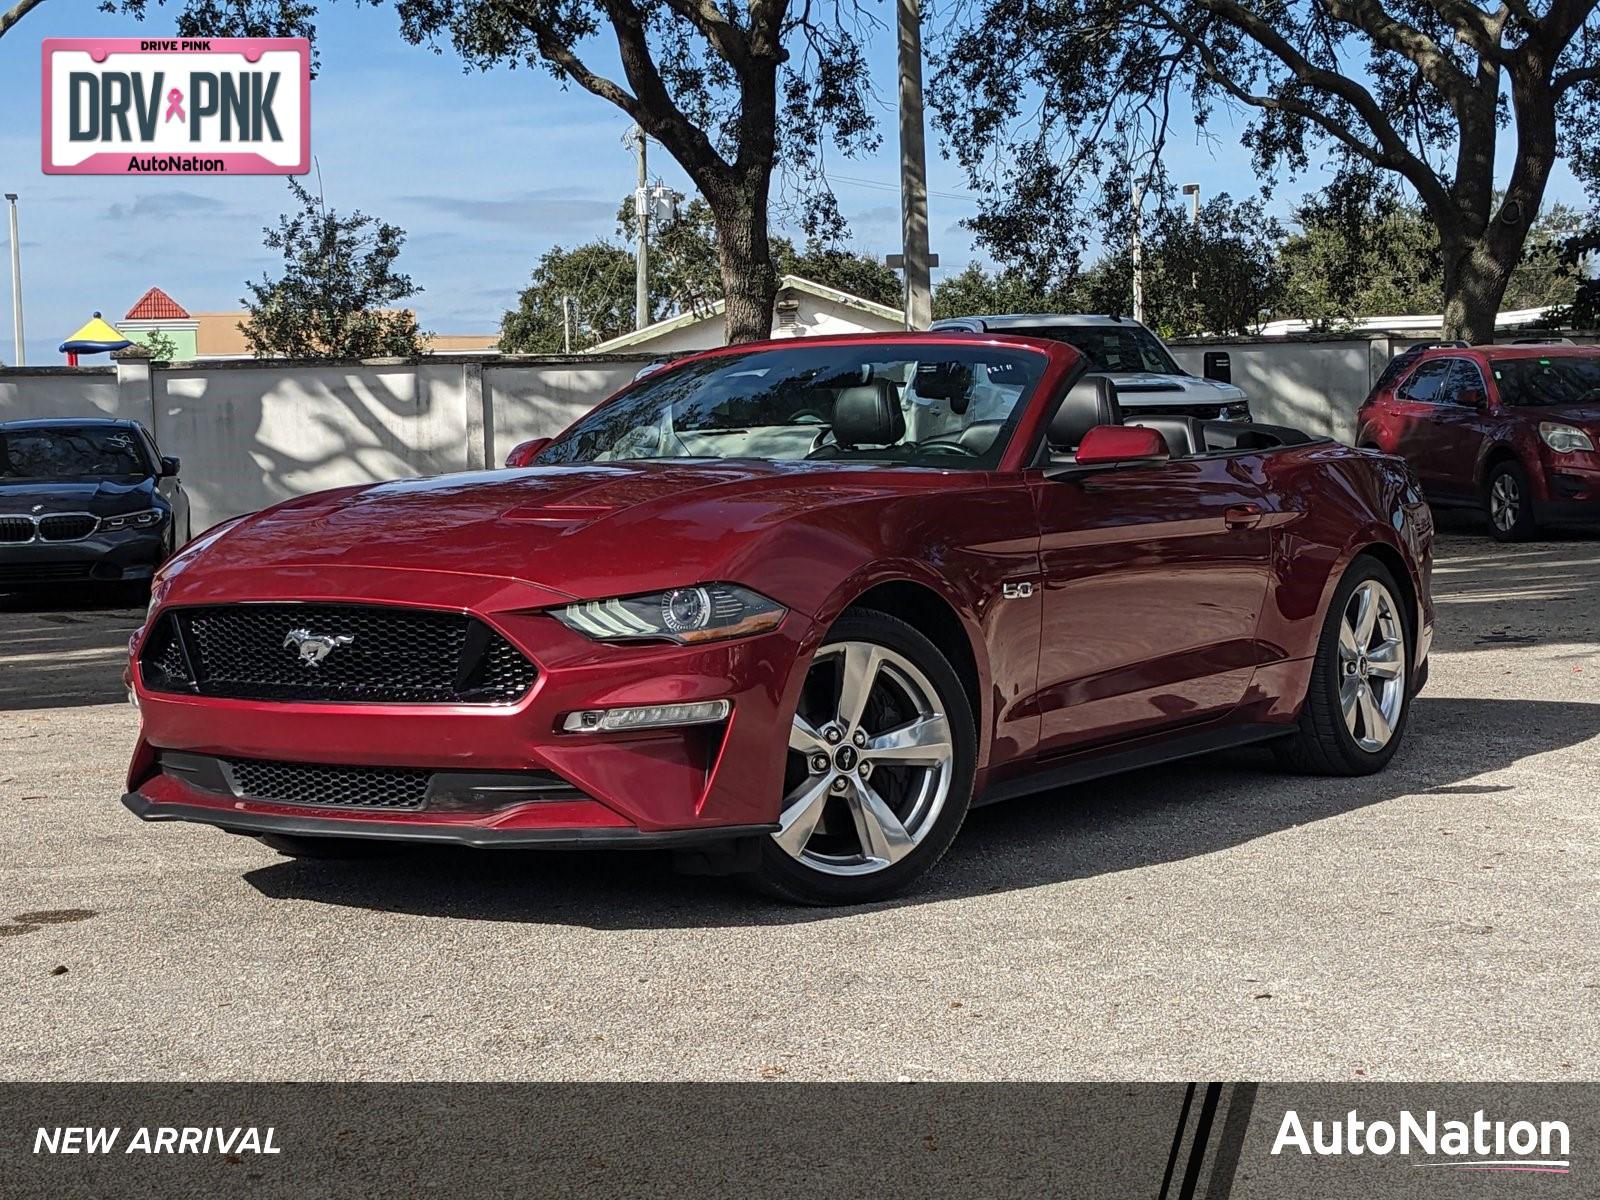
{"type": "Point", "coordinates": [250, 437]}
{"type": "Point", "coordinates": [541, 399]}
{"type": "Point", "coordinates": [1315, 386]}
{"type": "Point", "coordinates": [29, 392]}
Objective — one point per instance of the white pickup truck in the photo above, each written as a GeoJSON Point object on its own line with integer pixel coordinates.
{"type": "Point", "coordinates": [1148, 379]}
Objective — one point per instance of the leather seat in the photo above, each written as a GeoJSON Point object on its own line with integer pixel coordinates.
{"type": "Point", "coordinates": [1089, 402]}
{"type": "Point", "coordinates": [869, 415]}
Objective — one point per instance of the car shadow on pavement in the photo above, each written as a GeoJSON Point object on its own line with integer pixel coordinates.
{"type": "Point", "coordinates": [65, 649]}
{"type": "Point", "coordinates": [1143, 819]}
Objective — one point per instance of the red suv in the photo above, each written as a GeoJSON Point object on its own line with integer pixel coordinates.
{"type": "Point", "coordinates": [1512, 429]}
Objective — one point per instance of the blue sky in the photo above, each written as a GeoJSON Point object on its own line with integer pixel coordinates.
{"type": "Point", "coordinates": [485, 172]}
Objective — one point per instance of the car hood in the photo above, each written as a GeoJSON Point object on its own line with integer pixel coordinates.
{"type": "Point", "coordinates": [1586, 415]}
{"type": "Point", "coordinates": [102, 497]}
{"type": "Point", "coordinates": [581, 531]}
{"type": "Point", "coordinates": [1148, 387]}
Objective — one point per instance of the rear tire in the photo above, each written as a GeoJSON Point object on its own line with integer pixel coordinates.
{"type": "Point", "coordinates": [877, 693]}
{"type": "Point", "coordinates": [1358, 701]}
{"type": "Point", "coordinates": [291, 846]}
{"type": "Point", "coordinates": [1507, 503]}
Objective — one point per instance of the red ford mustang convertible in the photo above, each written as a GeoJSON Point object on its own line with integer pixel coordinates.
{"type": "Point", "coordinates": [790, 609]}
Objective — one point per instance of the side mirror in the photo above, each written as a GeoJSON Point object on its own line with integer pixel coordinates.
{"type": "Point", "coordinates": [1107, 444]}
{"type": "Point", "coordinates": [522, 455]}
{"type": "Point", "coordinates": [1218, 366]}
{"type": "Point", "coordinates": [169, 467]}
{"type": "Point", "coordinates": [1471, 398]}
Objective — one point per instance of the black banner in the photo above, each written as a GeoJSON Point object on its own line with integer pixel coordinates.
{"type": "Point", "coordinates": [1206, 1141]}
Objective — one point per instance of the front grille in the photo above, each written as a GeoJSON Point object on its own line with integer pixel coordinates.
{"type": "Point", "coordinates": [390, 788]}
{"type": "Point", "coordinates": [16, 529]}
{"type": "Point", "coordinates": [66, 527]}
{"type": "Point", "coordinates": [334, 652]}
{"type": "Point", "coordinates": [46, 572]}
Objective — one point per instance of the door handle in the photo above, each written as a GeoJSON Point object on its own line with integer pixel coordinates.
{"type": "Point", "coordinates": [1242, 516]}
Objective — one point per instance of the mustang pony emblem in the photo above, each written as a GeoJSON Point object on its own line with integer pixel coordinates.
{"type": "Point", "coordinates": [314, 647]}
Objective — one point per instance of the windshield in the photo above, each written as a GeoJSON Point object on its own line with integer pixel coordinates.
{"type": "Point", "coordinates": [922, 405]}
{"type": "Point", "coordinates": [1548, 381]}
{"type": "Point", "coordinates": [1111, 347]}
{"type": "Point", "coordinates": [68, 452]}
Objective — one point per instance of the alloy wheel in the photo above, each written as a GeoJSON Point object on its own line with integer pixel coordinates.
{"type": "Point", "coordinates": [1372, 665]}
{"type": "Point", "coordinates": [870, 764]}
{"type": "Point", "coordinates": [1505, 502]}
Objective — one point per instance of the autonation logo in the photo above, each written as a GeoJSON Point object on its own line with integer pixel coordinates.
{"type": "Point", "coordinates": [1478, 1144]}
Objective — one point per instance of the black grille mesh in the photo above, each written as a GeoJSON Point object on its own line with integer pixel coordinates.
{"type": "Point", "coordinates": [68, 527]}
{"type": "Point", "coordinates": [16, 529]}
{"type": "Point", "coordinates": [394, 655]}
{"type": "Point", "coordinates": [390, 788]}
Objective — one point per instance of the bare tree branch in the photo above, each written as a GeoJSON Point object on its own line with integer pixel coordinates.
{"type": "Point", "coordinates": [16, 12]}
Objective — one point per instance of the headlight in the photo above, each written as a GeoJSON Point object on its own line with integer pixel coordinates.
{"type": "Point", "coordinates": [1239, 410]}
{"type": "Point", "coordinates": [1564, 438]}
{"type": "Point", "coordinates": [704, 613]}
{"type": "Point", "coordinates": [147, 519]}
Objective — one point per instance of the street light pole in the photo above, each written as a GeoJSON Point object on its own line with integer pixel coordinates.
{"type": "Point", "coordinates": [16, 283]}
{"type": "Point", "coordinates": [1192, 190]}
{"type": "Point", "coordinates": [641, 216]}
{"type": "Point", "coordinates": [913, 170]}
{"type": "Point", "coordinates": [1138, 253]}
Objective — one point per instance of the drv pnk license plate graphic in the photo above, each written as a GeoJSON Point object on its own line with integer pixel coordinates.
{"type": "Point", "coordinates": [171, 106]}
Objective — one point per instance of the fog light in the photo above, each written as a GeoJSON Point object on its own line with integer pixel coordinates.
{"type": "Point", "coordinates": [646, 716]}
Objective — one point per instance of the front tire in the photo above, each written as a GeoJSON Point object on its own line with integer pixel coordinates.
{"type": "Point", "coordinates": [1508, 504]}
{"type": "Point", "coordinates": [1358, 700]}
{"type": "Point", "coordinates": [882, 751]}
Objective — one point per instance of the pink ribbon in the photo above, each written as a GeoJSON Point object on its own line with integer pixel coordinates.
{"type": "Point", "coordinates": [175, 105]}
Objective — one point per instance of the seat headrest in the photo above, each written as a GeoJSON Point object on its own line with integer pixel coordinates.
{"type": "Point", "coordinates": [868, 415]}
{"type": "Point", "coordinates": [1089, 402]}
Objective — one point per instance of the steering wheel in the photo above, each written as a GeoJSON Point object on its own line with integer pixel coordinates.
{"type": "Point", "coordinates": [950, 444]}
{"type": "Point", "coordinates": [807, 416]}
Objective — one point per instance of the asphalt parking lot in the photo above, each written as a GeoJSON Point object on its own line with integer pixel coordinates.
{"type": "Point", "coordinates": [1213, 920]}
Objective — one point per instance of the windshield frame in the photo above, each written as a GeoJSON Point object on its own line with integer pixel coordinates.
{"type": "Point", "coordinates": [1035, 361]}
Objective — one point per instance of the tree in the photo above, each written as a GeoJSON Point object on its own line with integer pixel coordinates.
{"type": "Point", "coordinates": [1361, 251]}
{"type": "Point", "coordinates": [731, 90]}
{"type": "Point", "coordinates": [237, 18]}
{"type": "Point", "coordinates": [338, 281]}
{"type": "Point", "coordinates": [598, 280]}
{"type": "Point", "coordinates": [684, 264]}
{"type": "Point", "coordinates": [1217, 275]}
{"type": "Point", "coordinates": [1421, 90]}
{"type": "Point", "coordinates": [1364, 251]}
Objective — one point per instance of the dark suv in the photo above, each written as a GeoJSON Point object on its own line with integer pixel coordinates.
{"type": "Point", "coordinates": [1510, 429]}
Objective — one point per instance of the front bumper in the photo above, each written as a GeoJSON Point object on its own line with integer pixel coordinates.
{"type": "Point", "coordinates": [292, 824]}
{"type": "Point", "coordinates": [691, 783]}
{"type": "Point", "coordinates": [120, 556]}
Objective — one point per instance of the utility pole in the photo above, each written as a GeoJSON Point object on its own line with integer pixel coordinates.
{"type": "Point", "coordinates": [566, 323]}
{"type": "Point", "coordinates": [641, 216]}
{"type": "Point", "coordinates": [913, 170]}
{"type": "Point", "coordinates": [16, 283]}
{"type": "Point", "coordinates": [1138, 253]}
